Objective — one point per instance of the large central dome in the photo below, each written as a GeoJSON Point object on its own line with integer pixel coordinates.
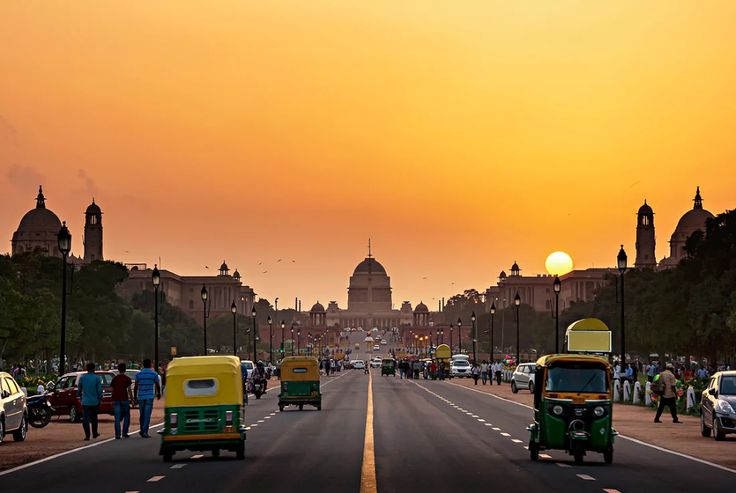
{"type": "Point", "coordinates": [369, 291]}
{"type": "Point", "coordinates": [37, 230]}
{"type": "Point", "coordinates": [369, 266]}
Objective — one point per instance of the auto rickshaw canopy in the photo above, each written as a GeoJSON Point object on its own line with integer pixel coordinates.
{"type": "Point", "coordinates": [551, 359]}
{"type": "Point", "coordinates": [589, 335]}
{"type": "Point", "coordinates": [204, 381]}
{"type": "Point", "coordinates": [299, 369]}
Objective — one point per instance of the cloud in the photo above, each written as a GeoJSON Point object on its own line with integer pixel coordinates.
{"type": "Point", "coordinates": [88, 183]}
{"type": "Point", "coordinates": [8, 132]}
{"type": "Point", "coordinates": [24, 177]}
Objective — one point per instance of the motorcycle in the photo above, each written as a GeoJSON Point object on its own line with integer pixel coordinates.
{"type": "Point", "coordinates": [39, 410]}
{"type": "Point", "coordinates": [259, 387]}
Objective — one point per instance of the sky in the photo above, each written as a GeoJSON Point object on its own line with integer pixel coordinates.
{"type": "Point", "coordinates": [458, 136]}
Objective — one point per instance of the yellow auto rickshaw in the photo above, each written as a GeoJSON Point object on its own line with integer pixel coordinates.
{"type": "Point", "coordinates": [204, 406]}
{"type": "Point", "coordinates": [300, 382]}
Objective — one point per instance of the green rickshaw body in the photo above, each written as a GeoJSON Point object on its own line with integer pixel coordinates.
{"type": "Point", "coordinates": [300, 383]}
{"type": "Point", "coordinates": [388, 367]}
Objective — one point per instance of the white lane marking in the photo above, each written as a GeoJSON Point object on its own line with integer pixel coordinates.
{"type": "Point", "coordinates": [155, 479]}
{"type": "Point", "coordinates": [585, 477]}
{"type": "Point", "coordinates": [545, 456]}
{"type": "Point", "coordinates": [563, 465]}
{"type": "Point", "coordinates": [504, 434]}
{"type": "Point", "coordinates": [474, 416]}
{"type": "Point", "coordinates": [526, 447]}
{"type": "Point", "coordinates": [267, 417]}
{"type": "Point", "coordinates": [178, 466]}
{"type": "Point", "coordinates": [134, 491]}
{"type": "Point", "coordinates": [260, 421]}
{"type": "Point", "coordinates": [253, 425]}
{"type": "Point", "coordinates": [480, 420]}
{"type": "Point", "coordinates": [197, 456]}
{"type": "Point", "coordinates": [67, 452]}
{"type": "Point", "coordinates": [496, 429]}
{"type": "Point", "coordinates": [274, 413]}
{"type": "Point", "coordinates": [516, 440]}
{"type": "Point", "coordinates": [611, 490]}
{"type": "Point", "coordinates": [247, 428]}
{"type": "Point", "coordinates": [488, 424]}
{"type": "Point", "coordinates": [631, 439]}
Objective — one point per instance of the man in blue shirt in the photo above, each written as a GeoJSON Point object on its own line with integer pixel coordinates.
{"type": "Point", "coordinates": [147, 384]}
{"type": "Point", "coordinates": [90, 392]}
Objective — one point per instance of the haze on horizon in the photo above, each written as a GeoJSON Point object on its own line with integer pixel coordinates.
{"type": "Point", "coordinates": [458, 139]}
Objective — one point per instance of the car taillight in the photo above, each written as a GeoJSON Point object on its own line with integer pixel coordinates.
{"type": "Point", "coordinates": [173, 420]}
{"type": "Point", "coordinates": [228, 418]}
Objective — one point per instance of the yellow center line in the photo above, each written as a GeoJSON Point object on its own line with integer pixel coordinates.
{"type": "Point", "coordinates": [368, 471]}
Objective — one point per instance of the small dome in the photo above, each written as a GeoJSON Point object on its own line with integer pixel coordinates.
{"type": "Point", "coordinates": [645, 210]}
{"type": "Point", "coordinates": [223, 266]}
{"type": "Point", "coordinates": [502, 275]}
{"type": "Point", "coordinates": [515, 267]}
{"type": "Point", "coordinates": [94, 208]}
{"type": "Point", "coordinates": [236, 274]}
{"type": "Point", "coordinates": [317, 308]}
{"type": "Point", "coordinates": [421, 308]}
{"type": "Point", "coordinates": [369, 266]}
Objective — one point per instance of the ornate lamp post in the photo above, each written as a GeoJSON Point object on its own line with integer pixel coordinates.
{"type": "Point", "coordinates": [517, 303]}
{"type": "Point", "coordinates": [292, 339]}
{"type": "Point", "coordinates": [234, 309]}
{"type": "Point", "coordinates": [203, 295]}
{"type": "Point", "coordinates": [270, 339]}
{"type": "Point", "coordinates": [298, 341]}
{"type": "Point", "coordinates": [451, 329]}
{"type": "Point", "coordinates": [255, 334]}
{"type": "Point", "coordinates": [64, 238]}
{"type": "Point", "coordinates": [442, 336]}
{"type": "Point", "coordinates": [490, 329]}
{"type": "Point", "coordinates": [557, 287]}
{"type": "Point", "coordinates": [156, 280]}
{"type": "Point", "coordinates": [475, 337]}
{"type": "Point", "coordinates": [459, 336]}
{"type": "Point", "coordinates": [621, 261]}
{"type": "Point", "coordinates": [309, 343]}
{"type": "Point", "coordinates": [282, 339]}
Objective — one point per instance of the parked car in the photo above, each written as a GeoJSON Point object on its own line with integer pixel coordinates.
{"type": "Point", "coordinates": [358, 364]}
{"type": "Point", "coordinates": [718, 406]}
{"type": "Point", "coordinates": [460, 367]}
{"type": "Point", "coordinates": [13, 409]}
{"type": "Point", "coordinates": [65, 400]}
{"type": "Point", "coordinates": [248, 366]}
{"type": "Point", "coordinates": [523, 377]}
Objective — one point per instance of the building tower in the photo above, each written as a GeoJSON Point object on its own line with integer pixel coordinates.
{"type": "Point", "coordinates": [645, 241]}
{"type": "Point", "coordinates": [93, 233]}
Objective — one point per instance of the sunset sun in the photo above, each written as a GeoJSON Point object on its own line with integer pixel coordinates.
{"type": "Point", "coordinates": [558, 263]}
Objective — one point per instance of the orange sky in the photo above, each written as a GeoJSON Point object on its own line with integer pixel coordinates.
{"type": "Point", "coordinates": [460, 136]}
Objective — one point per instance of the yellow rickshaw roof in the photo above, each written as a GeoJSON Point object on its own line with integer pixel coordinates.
{"type": "Point", "coordinates": [203, 365]}
{"type": "Point", "coordinates": [557, 358]}
{"type": "Point", "coordinates": [299, 360]}
{"type": "Point", "coordinates": [588, 324]}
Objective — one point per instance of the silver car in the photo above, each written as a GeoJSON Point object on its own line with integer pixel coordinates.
{"type": "Point", "coordinates": [523, 377]}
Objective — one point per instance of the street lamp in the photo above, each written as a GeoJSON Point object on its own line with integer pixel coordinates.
{"type": "Point", "coordinates": [64, 239]}
{"type": "Point", "coordinates": [309, 343]}
{"type": "Point", "coordinates": [475, 337]}
{"type": "Point", "coordinates": [203, 294]}
{"type": "Point", "coordinates": [621, 261]}
{"type": "Point", "coordinates": [255, 334]}
{"type": "Point", "coordinates": [557, 287]}
{"type": "Point", "coordinates": [490, 329]}
{"type": "Point", "coordinates": [442, 336]}
{"type": "Point", "coordinates": [270, 339]}
{"type": "Point", "coordinates": [283, 348]}
{"type": "Point", "coordinates": [156, 280]}
{"type": "Point", "coordinates": [234, 309]}
{"type": "Point", "coordinates": [451, 330]}
{"type": "Point", "coordinates": [517, 303]}
{"type": "Point", "coordinates": [459, 336]}
{"type": "Point", "coordinates": [298, 341]}
{"type": "Point", "coordinates": [292, 339]}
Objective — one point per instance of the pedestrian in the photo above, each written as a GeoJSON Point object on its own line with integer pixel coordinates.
{"type": "Point", "coordinates": [498, 371]}
{"type": "Point", "coordinates": [669, 394]}
{"type": "Point", "coordinates": [327, 367]}
{"type": "Point", "coordinates": [366, 368]}
{"type": "Point", "coordinates": [147, 385]}
{"type": "Point", "coordinates": [484, 371]}
{"type": "Point", "coordinates": [651, 371]}
{"type": "Point", "coordinates": [90, 393]}
{"type": "Point", "coordinates": [475, 372]}
{"type": "Point", "coordinates": [121, 401]}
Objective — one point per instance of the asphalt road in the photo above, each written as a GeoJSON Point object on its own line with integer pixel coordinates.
{"type": "Point", "coordinates": [428, 436]}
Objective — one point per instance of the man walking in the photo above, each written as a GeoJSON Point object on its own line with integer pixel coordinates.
{"type": "Point", "coordinates": [669, 396]}
{"type": "Point", "coordinates": [147, 384]}
{"type": "Point", "coordinates": [484, 371]}
{"type": "Point", "coordinates": [90, 392]}
{"type": "Point", "coordinates": [121, 401]}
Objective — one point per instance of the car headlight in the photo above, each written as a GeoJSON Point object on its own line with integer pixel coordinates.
{"type": "Point", "coordinates": [599, 411]}
{"type": "Point", "coordinates": [724, 407]}
{"type": "Point", "coordinates": [557, 410]}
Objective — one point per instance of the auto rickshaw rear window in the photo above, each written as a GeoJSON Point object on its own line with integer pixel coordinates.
{"type": "Point", "coordinates": [200, 387]}
{"type": "Point", "coordinates": [299, 370]}
{"type": "Point", "coordinates": [576, 378]}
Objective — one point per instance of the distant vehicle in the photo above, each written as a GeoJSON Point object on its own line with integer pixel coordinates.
{"type": "Point", "coordinates": [460, 367]}
{"type": "Point", "coordinates": [358, 364]}
{"type": "Point", "coordinates": [376, 362]}
{"type": "Point", "coordinates": [248, 366]}
{"type": "Point", "coordinates": [65, 400]}
{"type": "Point", "coordinates": [376, 347]}
{"type": "Point", "coordinates": [384, 342]}
{"type": "Point", "coordinates": [13, 409]}
{"type": "Point", "coordinates": [377, 337]}
{"type": "Point", "coordinates": [718, 406]}
{"type": "Point", "coordinates": [523, 377]}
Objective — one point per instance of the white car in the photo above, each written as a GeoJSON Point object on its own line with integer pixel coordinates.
{"type": "Point", "coordinates": [523, 377]}
{"type": "Point", "coordinates": [376, 347]}
{"type": "Point", "coordinates": [460, 368]}
{"type": "Point", "coordinates": [358, 364]}
{"type": "Point", "coordinates": [248, 366]}
{"type": "Point", "coordinates": [384, 342]}
{"type": "Point", "coordinates": [376, 363]}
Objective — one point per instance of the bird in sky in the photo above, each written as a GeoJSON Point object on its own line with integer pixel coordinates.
{"type": "Point", "coordinates": [259, 263]}
{"type": "Point", "coordinates": [265, 272]}
{"type": "Point", "coordinates": [279, 260]}
{"type": "Point", "coordinates": [206, 266]}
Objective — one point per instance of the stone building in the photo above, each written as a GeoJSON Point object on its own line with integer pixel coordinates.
{"type": "Point", "coordinates": [690, 222]}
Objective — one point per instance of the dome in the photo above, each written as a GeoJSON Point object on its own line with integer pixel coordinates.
{"type": "Point", "coordinates": [223, 266]}
{"type": "Point", "coordinates": [502, 275]}
{"type": "Point", "coordinates": [317, 308]}
{"type": "Point", "coordinates": [236, 274]}
{"type": "Point", "coordinates": [645, 210]}
{"type": "Point", "coordinates": [515, 267]}
{"type": "Point", "coordinates": [421, 308]}
{"type": "Point", "coordinates": [369, 266]}
{"type": "Point", "coordinates": [40, 219]}
{"type": "Point", "coordinates": [692, 220]}
{"type": "Point", "coordinates": [94, 208]}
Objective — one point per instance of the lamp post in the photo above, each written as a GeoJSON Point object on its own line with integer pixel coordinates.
{"type": "Point", "coordinates": [309, 343]}
{"type": "Point", "coordinates": [203, 294]}
{"type": "Point", "coordinates": [64, 239]}
{"type": "Point", "coordinates": [292, 339]}
{"type": "Point", "coordinates": [459, 336]}
{"type": "Point", "coordinates": [298, 340]}
{"type": "Point", "coordinates": [475, 337]}
{"type": "Point", "coordinates": [283, 348]}
{"type": "Point", "coordinates": [557, 287]}
{"type": "Point", "coordinates": [490, 329]}
{"type": "Point", "coordinates": [234, 309]}
{"type": "Point", "coordinates": [442, 336]}
{"type": "Point", "coordinates": [270, 339]}
{"type": "Point", "coordinates": [451, 330]}
{"type": "Point", "coordinates": [621, 261]}
{"type": "Point", "coordinates": [517, 303]}
{"type": "Point", "coordinates": [255, 334]}
{"type": "Point", "coordinates": [156, 280]}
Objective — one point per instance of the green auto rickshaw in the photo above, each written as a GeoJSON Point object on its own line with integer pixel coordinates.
{"type": "Point", "coordinates": [388, 367]}
{"type": "Point", "coordinates": [300, 382]}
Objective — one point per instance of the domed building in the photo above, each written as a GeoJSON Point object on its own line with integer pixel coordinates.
{"type": "Point", "coordinates": [38, 229]}
{"type": "Point", "coordinates": [692, 221]}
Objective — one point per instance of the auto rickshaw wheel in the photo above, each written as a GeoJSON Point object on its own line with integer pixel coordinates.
{"type": "Point", "coordinates": [215, 452]}
{"type": "Point", "coordinates": [608, 455]}
{"type": "Point", "coordinates": [240, 452]}
{"type": "Point", "coordinates": [533, 449]}
{"type": "Point", "coordinates": [281, 408]}
{"type": "Point", "coordinates": [168, 455]}
{"type": "Point", "coordinates": [578, 451]}
{"type": "Point", "coordinates": [301, 407]}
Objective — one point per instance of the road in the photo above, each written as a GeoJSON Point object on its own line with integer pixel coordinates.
{"type": "Point", "coordinates": [428, 436]}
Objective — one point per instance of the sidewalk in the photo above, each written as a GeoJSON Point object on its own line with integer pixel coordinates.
{"type": "Point", "coordinates": [638, 422]}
